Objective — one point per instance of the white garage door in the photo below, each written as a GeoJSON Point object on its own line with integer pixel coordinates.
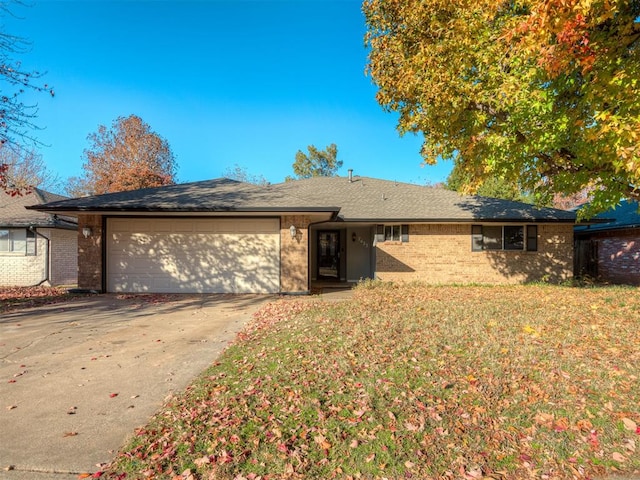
{"type": "Point", "coordinates": [167, 255]}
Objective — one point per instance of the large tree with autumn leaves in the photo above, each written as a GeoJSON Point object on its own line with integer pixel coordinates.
{"type": "Point", "coordinates": [127, 156]}
{"type": "Point", "coordinates": [541, 93]}
{"type": "Point", "coordinates": [16, 117]}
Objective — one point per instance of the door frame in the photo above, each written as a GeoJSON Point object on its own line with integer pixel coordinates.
{"type": "Point", "coordinates": [337, 256]}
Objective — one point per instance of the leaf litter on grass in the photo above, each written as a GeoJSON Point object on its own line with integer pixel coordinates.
{"type": "Point", "coordinates": [412, 382]}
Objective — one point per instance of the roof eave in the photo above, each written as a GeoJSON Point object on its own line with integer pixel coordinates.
{"type": "Point", "coordinates": [120, 210]}
{"type": "Point", "coordinates": [458, 220]}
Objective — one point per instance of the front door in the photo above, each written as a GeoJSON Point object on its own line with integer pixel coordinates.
{"type": "Point", "coordinates": [329, 255]}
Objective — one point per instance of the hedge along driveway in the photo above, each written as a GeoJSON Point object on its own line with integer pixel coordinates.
{"type": "Point", "coordinates": [76, 378]}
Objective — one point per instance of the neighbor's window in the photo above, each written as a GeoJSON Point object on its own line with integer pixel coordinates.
{"type": "Point", "coordinates": [506, 237]}
{"type": "Point", "coordinates": [18, 240]}
{"type": "Point", "coordinates": [392, 233]}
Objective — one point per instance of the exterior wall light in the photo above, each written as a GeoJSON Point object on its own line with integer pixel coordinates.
{"type": "Point", "coordinates": [86, 232]}
{"type": "Point", "coordinates": [293, 231]}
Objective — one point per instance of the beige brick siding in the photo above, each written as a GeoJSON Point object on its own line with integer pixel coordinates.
{"type": "Point", "coordinates": [90, 253]}
{"type": "Point", "coordinates": [20, 270]}
{"type": "Point", "coordinates": [294, 255]}
{"type": "Point", "coordinates": [64, 257]}
{"type": "Point", "coordinates": [442, 254]}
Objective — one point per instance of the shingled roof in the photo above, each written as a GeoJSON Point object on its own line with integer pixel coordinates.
{"type": "Point", "coordinates": [215, 196]}
{"type": "Point", "coordinates": [625, 215]}
{"type": "Point", "coordinates": [14, 212]}
{"type": "Point", "coordinates": [370, 199]}
{"type": "Point", "coordinates": [360, 199]}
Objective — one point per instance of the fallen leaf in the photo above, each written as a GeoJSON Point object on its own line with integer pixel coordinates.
{"type": "Point", "coordinates": [618, 457]}
{"type": "Point", "coordinates": [113, 395]}
{"type": "Point", "coordinates": [11, 407]}
{"type": "Point", "coordinates": [370, 457]}
{"type": "Point", "coordinates": [629, 424]}
{"type": "Point", "coordinates": [202, 461]}
{"type": "Point", "coordinates": [322, 441]}
{"type": "Point", "coordinates": [70, 434]}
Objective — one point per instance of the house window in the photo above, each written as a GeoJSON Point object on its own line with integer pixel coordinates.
{"type": "Point", "coordinates": [392, 233]}
{"type": "Point", "coordinates": [507, 237]}
{"type": "Point", "coordinates": [31, 242]}
{"type": "Point", "coordinates": [18, 240]}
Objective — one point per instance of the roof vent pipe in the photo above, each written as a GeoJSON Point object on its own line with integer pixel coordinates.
{"type": "Point", "coordinates": [350, 175]}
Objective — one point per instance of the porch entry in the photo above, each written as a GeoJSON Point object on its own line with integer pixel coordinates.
{"type": "Point", "coordinates": [329, 254]}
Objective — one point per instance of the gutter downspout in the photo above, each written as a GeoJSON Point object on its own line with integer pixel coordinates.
{"type": "Point", "coordinates": [46, 258]}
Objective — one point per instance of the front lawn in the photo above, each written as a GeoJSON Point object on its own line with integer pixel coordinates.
{"type": "Point", "coordinates": [413, 382]}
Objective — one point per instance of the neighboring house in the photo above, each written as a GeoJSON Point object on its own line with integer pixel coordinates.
{"type": "Point", "coordinates": [227, 236]}
{"type": "Point", "coordinates": [610, 251]}
{"type": "Point", "coordinates": [36, 248]}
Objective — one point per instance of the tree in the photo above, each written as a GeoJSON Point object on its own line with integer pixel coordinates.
{"type": "Point", "coordinates": [128, 156]}
{"type": "Point", "coordinates": [25, 170]}
{"type": "Point", "coordinates": [241, 174]}
{"type": "Point", "coordinates": [494, 187]}
{"type": "Point", "coordinates": [319, 163]}
{"type": "Point", "coordinates": [542, 93]}
{"type": "Point", "coordinates": [16, 117]}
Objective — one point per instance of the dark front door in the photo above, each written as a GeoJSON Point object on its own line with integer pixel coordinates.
{"type": "Point", "coordinates": [329, 254]}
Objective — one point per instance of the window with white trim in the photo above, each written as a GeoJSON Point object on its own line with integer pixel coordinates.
{"type": "Point", "coordinates": [17, 240]}
{"type": "Point", "coordinates": [504, 237]}
{"type": "Point", "coordinates": [392, 233]}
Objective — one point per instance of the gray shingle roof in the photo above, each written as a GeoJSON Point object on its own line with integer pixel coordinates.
{"type": "Point", "coordinates": [371, 199]}
{"type": "Point", "coordinates": [14, 214]}
{"type": "Point", "coordinates": [625, 215]}
{"type": "Point", "coordinates": [219, 195]}
{"type": "Point", "coordinates": [364, 200]}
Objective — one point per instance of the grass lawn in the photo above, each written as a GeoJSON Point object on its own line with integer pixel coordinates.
{"type": "Point", "coordinates": [413, 382]}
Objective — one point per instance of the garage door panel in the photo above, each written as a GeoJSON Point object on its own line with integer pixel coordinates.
{"type": "Point", "coordinates": [197, 255]}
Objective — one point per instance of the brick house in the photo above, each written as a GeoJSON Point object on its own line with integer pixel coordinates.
{"type": "Point", "coordinates": [36, 247]}
{"type": "Point", "coordinates": [609, 249]}
{"type": "Point", "coordinates": [227, 236]}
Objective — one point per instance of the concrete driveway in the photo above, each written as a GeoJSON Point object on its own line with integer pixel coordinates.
{"type": "Point", "coordinates": [77, 378]}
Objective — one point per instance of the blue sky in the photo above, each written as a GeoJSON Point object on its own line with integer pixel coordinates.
{"type": "Point", "coordinates": [245, 83]}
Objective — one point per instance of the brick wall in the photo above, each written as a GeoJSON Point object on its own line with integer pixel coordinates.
{"type": "Point", "coordinates": [20, 270]}
{"type": "Point", "coordinates": [442, 254]}
{"type": "Point", "coordinates": [64, 255]}
{"type": "Point", "coordinates": [294, 255]}
{"type": "Point", "coordinates": [90, 253]}
{"type": "Point", "coordinates": [619, 257]}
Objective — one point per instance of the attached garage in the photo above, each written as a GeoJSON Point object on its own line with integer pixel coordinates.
{"type": "Point", "coordinates": [193, 255]}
